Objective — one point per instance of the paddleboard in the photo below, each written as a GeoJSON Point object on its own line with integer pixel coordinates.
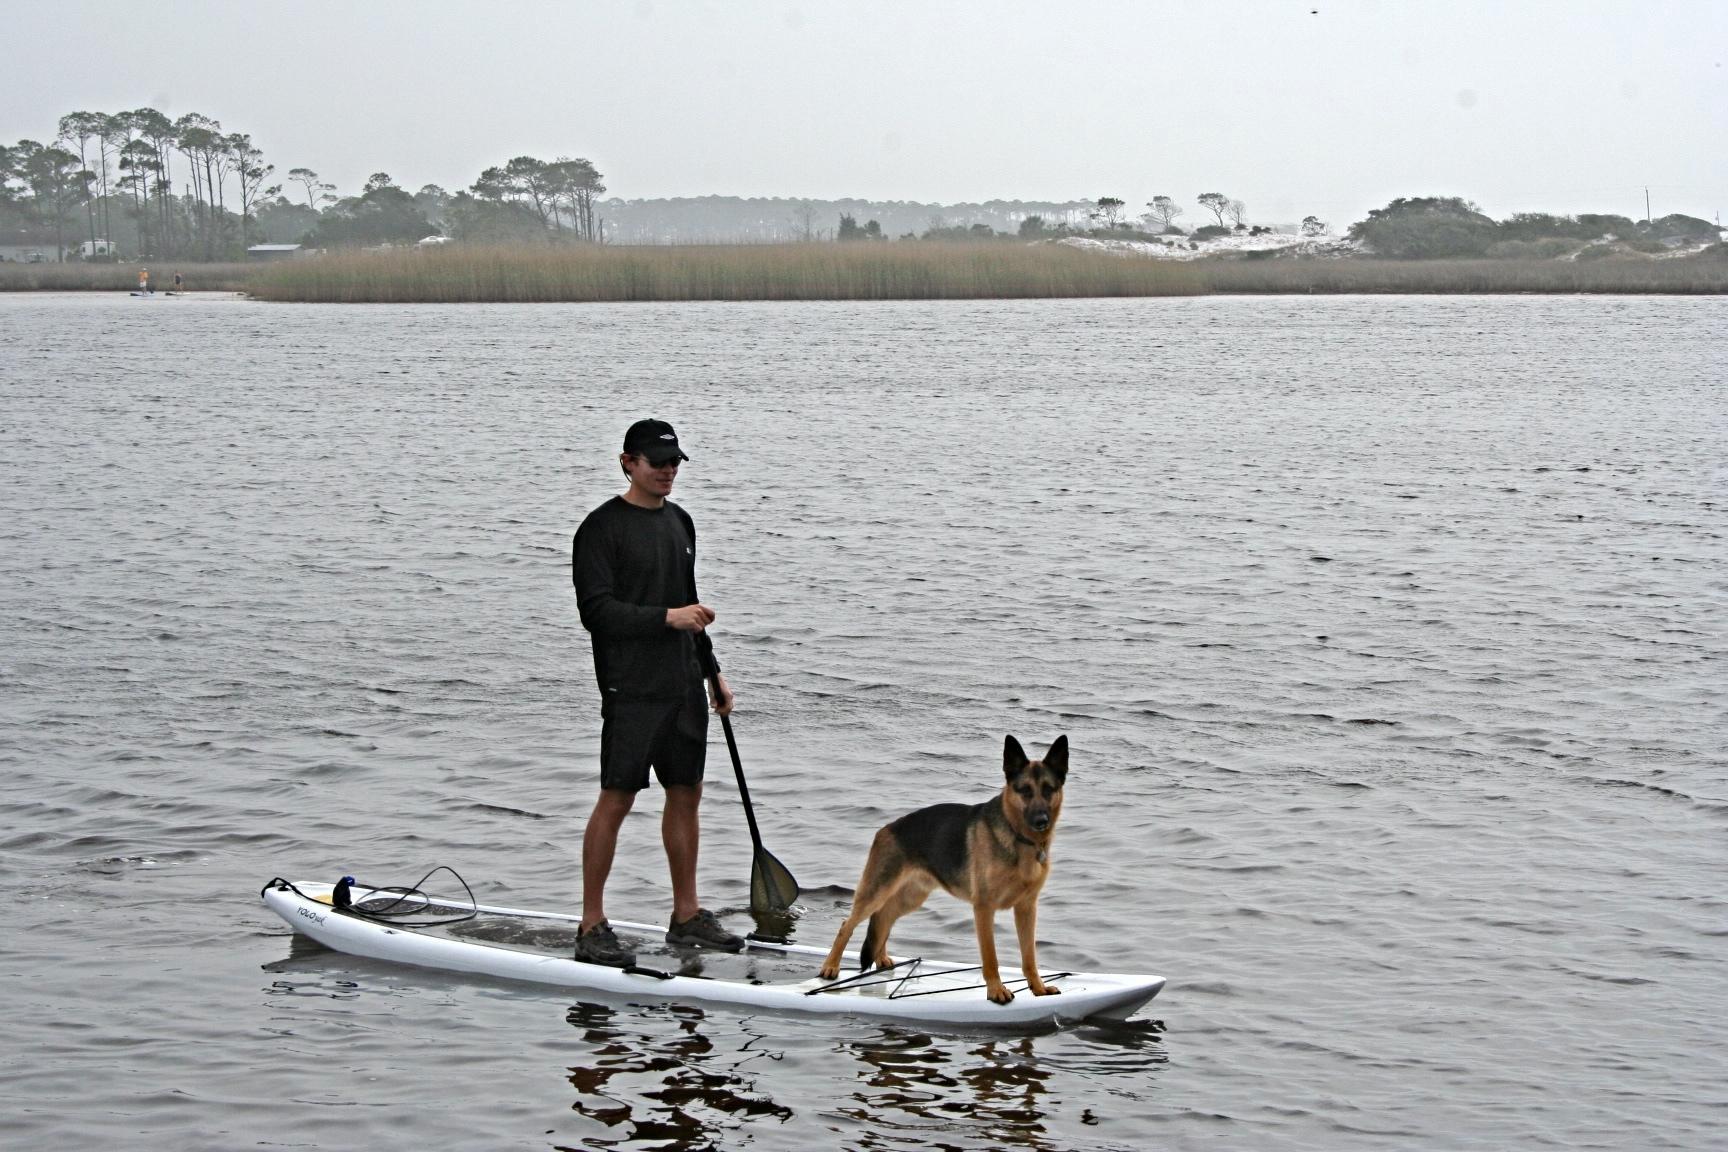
{"type": "Point", "coordinates": [518, 944]}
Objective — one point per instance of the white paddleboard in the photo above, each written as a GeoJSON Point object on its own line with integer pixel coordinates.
{"type": "Point", "coordinates": [502, 942]}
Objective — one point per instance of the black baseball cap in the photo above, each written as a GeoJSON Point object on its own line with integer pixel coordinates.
{"type": "Point", "coordinates": [655, 440]}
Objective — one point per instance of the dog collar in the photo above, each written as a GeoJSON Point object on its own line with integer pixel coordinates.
{"type": "Point", "coordinates": [1028, 843]}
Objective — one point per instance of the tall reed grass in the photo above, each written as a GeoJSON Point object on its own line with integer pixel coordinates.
{"type": "Point", "coordinates": [1631, 276]}
{"type": "Point", "coordinates": [922, 271]}
{"type": "Point", "coordinates": [902, 271]}
{"type": "Point", "coordinates": [15, 277]}
{"type": "Point", "coordinates": [722, 272]}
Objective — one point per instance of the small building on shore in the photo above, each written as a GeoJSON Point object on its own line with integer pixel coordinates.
{"type": "Point", "coordinates": [276, 252]}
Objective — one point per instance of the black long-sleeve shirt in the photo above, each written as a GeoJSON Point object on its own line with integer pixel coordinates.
{"type": "Point", "coordinates": [629, 565]}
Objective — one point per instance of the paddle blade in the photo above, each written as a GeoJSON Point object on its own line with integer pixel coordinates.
{"type": "Point", "coordinates": [771, 885]}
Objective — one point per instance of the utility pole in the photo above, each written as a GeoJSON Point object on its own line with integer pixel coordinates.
{"type": "Point", "coordinates": [1646, 205]}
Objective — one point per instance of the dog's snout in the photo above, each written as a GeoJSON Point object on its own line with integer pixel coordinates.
{"type": "Point", "coordinates": [1039, 819]}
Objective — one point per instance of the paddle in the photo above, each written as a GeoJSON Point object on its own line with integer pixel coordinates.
{"type": "Point", "coordinates": [772, 888]}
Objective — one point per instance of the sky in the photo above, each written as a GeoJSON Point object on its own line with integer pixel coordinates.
{"type": "Point", "coordinates": [1295, 107]}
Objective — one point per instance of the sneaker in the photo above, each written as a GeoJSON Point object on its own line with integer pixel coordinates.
{"type": "Point", "coordinates": [599, 945]}
{"type": "Point", "coordinates": [704, 930]}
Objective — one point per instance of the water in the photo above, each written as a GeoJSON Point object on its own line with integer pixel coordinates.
{"type": "Point", "coordinates": [1387, 633]}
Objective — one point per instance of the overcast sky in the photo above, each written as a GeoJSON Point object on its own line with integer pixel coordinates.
{"type": "Point", "coordinates": [1329, 107]}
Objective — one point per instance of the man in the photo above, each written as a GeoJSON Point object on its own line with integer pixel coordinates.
{"type": "Point", "coordinates": [634, 566]}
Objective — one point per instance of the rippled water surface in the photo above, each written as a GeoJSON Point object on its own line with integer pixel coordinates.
{"type": "Point", "coordinates": [1388, 634]}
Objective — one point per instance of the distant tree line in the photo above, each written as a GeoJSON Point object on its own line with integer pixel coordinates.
{"type": "Point", "coordinates": [849, 229]}
{"type": "Point", "coordinates": [1436, 227]}
{"type": "Point", "coordinates": [178, 187]}
{"type": "Point", "coordinates": [1407, 229]}
{"type": "Point", "coordinates": [141, 185]}
{"type": "Point", "coordinates": [1106, 216]}
{"type": "Point", "coordinates": [779, 219]}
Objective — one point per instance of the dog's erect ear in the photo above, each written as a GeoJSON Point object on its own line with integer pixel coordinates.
{"type": "Point", "coordinates": [1013, 758]}
{"type": "Point", "coordinates": [1057, 759]}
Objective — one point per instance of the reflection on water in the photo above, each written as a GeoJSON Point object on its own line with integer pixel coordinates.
{"type": "Point", "coordinates": [659, 1078]}
{"type": "Point", "coordinates": [912, 1082]}
{"type": "Point", "coordinates": [652, 1086]}
{"type": "Point", "coordinates": [992, 1092]}
{"type": "Point", "coordinates": [668, 1076]}
{"type": "Point", "coordinates": [774, 925]}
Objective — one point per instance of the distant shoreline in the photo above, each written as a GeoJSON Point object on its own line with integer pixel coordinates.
{"type": "Point", "coordinates": [81, 277]}
{"type": "Point", "coordinates": [864, 271]}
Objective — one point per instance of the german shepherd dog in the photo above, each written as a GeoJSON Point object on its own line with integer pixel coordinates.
{"type": "Point", "coordinates": [992, 855]}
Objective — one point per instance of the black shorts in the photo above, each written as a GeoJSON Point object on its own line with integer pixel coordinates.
{"type": "Point", "coordinates": [671, 736]}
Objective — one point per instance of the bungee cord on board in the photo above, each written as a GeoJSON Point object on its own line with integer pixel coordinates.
{"type": "Point", "coordinates": [385, 904]}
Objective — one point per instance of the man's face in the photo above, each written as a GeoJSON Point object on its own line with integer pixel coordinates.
{"type": "Point", "coordinates": [652, 479]}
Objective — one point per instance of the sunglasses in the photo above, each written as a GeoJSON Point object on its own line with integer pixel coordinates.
{"type": "Point", "coordinates": [672, 463]}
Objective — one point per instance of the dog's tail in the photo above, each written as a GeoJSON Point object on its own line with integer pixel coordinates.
{"type": "Point", "coordinates": [868, 951]}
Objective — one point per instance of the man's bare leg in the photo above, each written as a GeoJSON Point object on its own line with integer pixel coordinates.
{"type": "Point", "coordinates": [680, 830]}
{"type": "Point", "coordinates": [599, 846]}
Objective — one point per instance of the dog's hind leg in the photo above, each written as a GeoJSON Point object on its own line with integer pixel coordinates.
{"type": "Point", "coordinates": [831, 964]}
{"type": "Point", "coordinates": [908, 896]}
{"type": "Point", "coordinates": [874, 886]}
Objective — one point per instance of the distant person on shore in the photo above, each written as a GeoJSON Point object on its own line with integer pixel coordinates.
{"type": "Point", "coordinates": [143, 279]}
{"type": "Point", "coordinates": [178, 283]}
{"type": "Point", "coordinates": [634, 566]}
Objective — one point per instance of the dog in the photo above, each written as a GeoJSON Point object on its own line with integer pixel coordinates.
{"type": "Point", "coordinates": [992, 855]}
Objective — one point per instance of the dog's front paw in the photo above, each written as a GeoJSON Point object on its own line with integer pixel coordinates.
{"type": "Point", "coordinates": [999, 993]}
{"type": "Point", "coordinates": [1039, 988]}
{"type": "Point", "coordinates": [829, 971]}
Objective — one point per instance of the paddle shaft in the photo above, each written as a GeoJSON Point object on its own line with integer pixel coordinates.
{"type": "Point", "coordinates": [738, 771]}
{"type": "Point", "coordinates": [772, 887]}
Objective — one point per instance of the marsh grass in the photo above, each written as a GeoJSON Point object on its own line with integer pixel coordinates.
{"type": "Point", "coordinates": [16, 277]}
{"type": "Point", "coordinates": [921, 271]}
{"type": "Point", "coordinates": [924, 271]}
{"type": "Point", "coordinates": [1633, 276]}
{"type": "Point", "coordinates": [722, 272]}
